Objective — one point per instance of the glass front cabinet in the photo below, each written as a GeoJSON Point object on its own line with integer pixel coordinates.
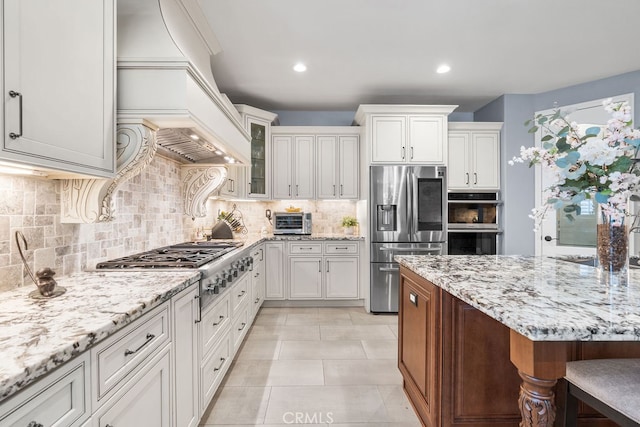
{"type": "Point", "coordinates": [258, 124]}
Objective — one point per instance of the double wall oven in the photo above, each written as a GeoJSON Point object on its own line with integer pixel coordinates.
{"type": "Point", "coordinates": [473, 223]}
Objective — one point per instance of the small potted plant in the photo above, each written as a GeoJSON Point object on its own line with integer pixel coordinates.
{"type": "Point", "coordinates": [349, 223]}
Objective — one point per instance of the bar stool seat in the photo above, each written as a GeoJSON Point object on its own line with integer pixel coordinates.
{"type": "Point", "coordinates": [610, 386]}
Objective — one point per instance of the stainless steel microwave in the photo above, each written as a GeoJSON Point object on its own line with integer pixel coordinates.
{"type": "Point", "coordinates": [292, 223]}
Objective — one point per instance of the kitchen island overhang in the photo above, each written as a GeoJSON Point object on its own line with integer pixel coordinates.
{"type": "Point", "coordinates": [541, 306]}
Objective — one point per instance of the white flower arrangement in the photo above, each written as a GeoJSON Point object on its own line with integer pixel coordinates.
{"type": "Point", "coordinates": [587, 162]}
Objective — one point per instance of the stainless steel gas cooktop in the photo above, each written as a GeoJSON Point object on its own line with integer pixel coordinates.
{"type": "Point", "coordinates": [182, 255]}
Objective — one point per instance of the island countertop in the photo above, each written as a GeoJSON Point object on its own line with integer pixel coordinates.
{"type": "Point", "coordinates": [541, 298]}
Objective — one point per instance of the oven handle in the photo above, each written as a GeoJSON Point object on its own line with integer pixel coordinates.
{"type": "Point", "coordinates": [199, 319]}
{"type": "Point", "coordinates": [412, 249]}
{"type": "Point", "coordinates": [475, 230]}
{"type": "Point", "coordinates": [388, 269]}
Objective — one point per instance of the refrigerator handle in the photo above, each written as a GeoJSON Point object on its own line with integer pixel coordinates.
{"type": "Point", "coordinates": [414, 203]}
{"type": "Point", "coordinates": [410, 204]}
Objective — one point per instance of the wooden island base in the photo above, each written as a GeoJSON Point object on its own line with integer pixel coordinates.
{"type": "Point", "coordinates": [463, 368]}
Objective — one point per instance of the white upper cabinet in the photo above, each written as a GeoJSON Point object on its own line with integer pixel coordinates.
{"type": "Point", "coordinates": [58, 62]}
{"type": "Point", "coordinates": [338, 172]}
{"type": "Point", "coordinates": [474, 156]}
{"type": "Point", "coordinates": [414, 134]}
{"type": "Point", "coordinates": [258, 124]}
{"type": "Point", "coordinates": [293, 167]}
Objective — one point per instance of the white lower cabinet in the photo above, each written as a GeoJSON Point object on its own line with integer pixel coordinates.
{"type": "Point", "coordinates": [241, 324]}
{"type": "Point", "coordinates": [257, 280]}
{"type": "Point", "coordinates": [186, 311]}
{"type": "Point", "coordinates": [214, 366]}
{"type": "Point", "coordinates": [61, 399]}
{"type": "Point", "coordinates": [341, 277]}
{"type": "Point", "coordinates": [305, 277]}
{"type": "Point", "coordinates": [144, 400]}
{"type": "Point", "coordinates": [322, 270]}
{"type": "Point", "coordinates": [274, 270]}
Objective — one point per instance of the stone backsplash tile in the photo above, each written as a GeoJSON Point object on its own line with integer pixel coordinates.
{"type": "Point", "coordinates": [148, 215]}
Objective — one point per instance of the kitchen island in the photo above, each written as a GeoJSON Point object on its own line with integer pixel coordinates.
{"type": "Point", "coordinates": [475, 331]}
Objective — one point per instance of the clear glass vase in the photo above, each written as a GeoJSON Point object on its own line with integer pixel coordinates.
{"type": "Point", "coordinates": [612, 249]}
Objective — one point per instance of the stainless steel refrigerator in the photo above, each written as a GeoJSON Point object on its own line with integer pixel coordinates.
{"type": "Point", "coordinates": [407, 216]}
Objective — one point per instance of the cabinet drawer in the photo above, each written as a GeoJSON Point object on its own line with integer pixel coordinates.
{"type": "Point", "coordinates": [119, 355]}
{"type": "Point", "coordinates": [215, 322]}
{"type": "Point", "coordinates": [341, 248]}
{"type": "Point", "coordinates": [240, 293]}
{"type": "Point", "coordinates": [59, 399]}
{"type": "Point", "coordinates": [240, 325]}
{"type": "Point", "coordinates": [214, 368]}
{"type": "Point", "coordinates": [305, 248]}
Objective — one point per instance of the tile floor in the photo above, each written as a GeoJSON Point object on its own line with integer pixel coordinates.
{"type": "Point", "coordinates": [315, 366]}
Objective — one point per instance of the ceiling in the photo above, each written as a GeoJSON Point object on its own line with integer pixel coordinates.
{"type": "Point", "coordinates": [387, 51]}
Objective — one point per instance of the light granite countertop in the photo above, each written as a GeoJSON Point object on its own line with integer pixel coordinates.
{"type": "Point", "coordinates": [37, 335]}
{"type": "Point", "coordinates": [541, 298]}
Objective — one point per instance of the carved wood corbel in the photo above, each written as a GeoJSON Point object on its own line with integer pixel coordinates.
{"type": "Point", "coordinates": [198, 182]}
{"type": "Point", "coordinates": [92, 200]}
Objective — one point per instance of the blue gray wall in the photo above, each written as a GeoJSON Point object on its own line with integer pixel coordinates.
{"type": "Point", "coordinates": [518, 182]}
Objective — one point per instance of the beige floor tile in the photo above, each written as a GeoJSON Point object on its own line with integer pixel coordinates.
{"type": "Point", "coordinates": [381, 349]}
{"type": "Point", "coordinates": [355, 332]}
{"type": "Point", "coordinates": [289, 310]}
{"type": "Point", "coordinates": [363, 318]}
{"type": "Point", "coordinates": [394, 330]}
{"type": "Point", "coordinates": [259, 350]}
{"type": "Point", "coordinates": [330, 404]}
{"type": "Point", "coordinates": [284, 332]}
{"type": "Point", "coordinates": [271, 319]}
{"type": "Point", "coordinates": [398, 407]}
{"type": "Point", "coordinates": [361, 372]}
{"type": "Point", "coordinates": [373, 424]}
{"type": "Point", "coordinates": [238, 405]}
{"type": "Point", "coordinates": [316, 350]}
{"type": "Point", "coordinates": [275, 372]}
{"type": "Point", "coordinates": [324, 318]}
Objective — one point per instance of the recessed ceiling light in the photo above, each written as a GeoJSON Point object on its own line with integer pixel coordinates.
{"type": "Point", "coordinates": [219, 153]}
{"type": "Point", "coordinates": [194, 137]}
{"type": "Point", "coordinates": [300, 67]}
{"type": "Point", "coordinates": [444, 68]}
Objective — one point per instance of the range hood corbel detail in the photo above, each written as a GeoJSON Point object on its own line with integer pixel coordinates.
{"type": "Point", "coordinates": [199, 181]}
{"type": "Point", "coordinates": [92, 200]}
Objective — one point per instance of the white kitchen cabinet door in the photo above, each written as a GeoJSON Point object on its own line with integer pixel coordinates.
{"type": "Point", "coordinates": [341, 277]}
{"type": "Point", "coordinates": [327, 155]}
{"type": "Point", "coordinates": [305, 277]}
{"type": "Point", "coordinates": [257, 279]}
{"type": "Point", "coordinates": [145, 400]}
{"type": "Point", "coordinates": [259, 174]}
{"type": "Point", "coordinates": [426, 140]}
{"type": "Point", "coordinates": [485, 158]}
{"type": "Point", "coordinates": [59, 62]}
{"type": "Point", "coordinates": [59, 399]}
{"type": "Point", "coordinates": [274, 271]}
{"type": "Point", "coordinates": [186, 309]}
{"type": "Point", "coordinates": [229, 188]}
{"type": "Point", "coordinates": [389, 139]}
{"type": "Point", "coordinates": [348, 167]}
{"type": "Point", "coordinates": [458, 175]}
{"type": "Point", "coordinates": [304, 167]}
{"type": "Point", "coordinates": [282, 167]}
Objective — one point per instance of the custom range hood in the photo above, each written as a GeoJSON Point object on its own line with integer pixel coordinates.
{"type": "Point", "coordinates": [164, 77]}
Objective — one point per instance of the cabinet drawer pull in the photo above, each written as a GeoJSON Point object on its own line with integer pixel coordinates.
{"type": "Point", "coordinates": [34, 424]}
{"type": "Point", "coordinates": [242, 294]}
{"type": "Point", "coordinates": [413, 298]}
{"type": "Point", "coordinates": [222, 359]}
{"type": "Point", "coordinates": [341, 190]}
{"type": "Point", "coordinates": [242, 327]}
{"type": "Point", "coordinates": [467, 174]}
{"type": "Point", "coordinates": [475, 178]}
{"type": "Point", "coordinates": [289, 190]}
{"type": "Point", "coordinates": [256, 301]}
{"type": "Point", "coordinates": [297, 190]}
{"type": "Point", "coordinates": [219, 321]}
{"type": "Point", "coordinates": [149, 337]}
{"type": "Point", "coordinates": [412, 152]}
{"type": "Point", "coordinates": [15, 94]}
{"type": "Point", "coordinates": [403, 153]}
{"type": "Point", "coordinates": [328, 265]}
{"type": "Point", "coordinates": [306, 249]}
{"type": "Point", "coordinates": [334, 189]}
{"type": "Point", "coordinates": [341, 248]}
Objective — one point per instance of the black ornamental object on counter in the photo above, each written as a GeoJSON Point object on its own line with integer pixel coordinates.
{"type": "Point", "coordinates": [43, 279]}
